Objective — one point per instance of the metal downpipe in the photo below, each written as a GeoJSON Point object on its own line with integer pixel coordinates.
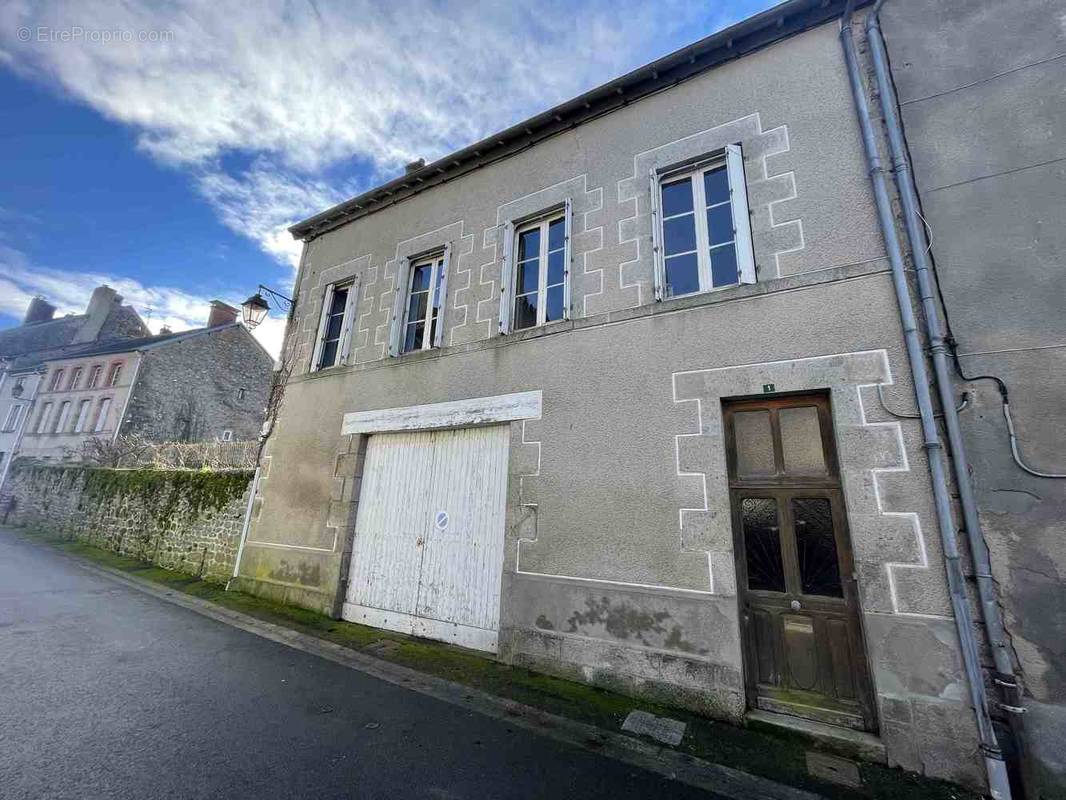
{"type": "Point", "coordinates": [991, 615]}
{"type": "Point", "coordinates": [995, 767]}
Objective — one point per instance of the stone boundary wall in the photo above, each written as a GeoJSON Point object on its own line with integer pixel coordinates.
{"type": "Point", "coordinates": [184, 520]}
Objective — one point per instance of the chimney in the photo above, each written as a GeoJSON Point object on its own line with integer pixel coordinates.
{"type": "Point", "coordinates": [414, 166]}
{"type": "Point", "coordinates": [103, 301]}
{"type": "Point", "coordinates": [221, 314]}
{"type": "Point", "coordinates": [39, 310]}
{"type": "Point", "coordinates": [164, 330]}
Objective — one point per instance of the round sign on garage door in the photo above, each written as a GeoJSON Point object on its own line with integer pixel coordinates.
{"type": "Point", "coordinates": [441, 520]}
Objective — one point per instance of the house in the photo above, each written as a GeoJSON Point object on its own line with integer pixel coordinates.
{"type": "Point", "coordinates": [634, 393]}
{"type": "Point", "coordinates": [984, 134]}
{"type": "Point", "coordinates": [24, 348]}
{"type": "Point", "coordinates": [204, 384]}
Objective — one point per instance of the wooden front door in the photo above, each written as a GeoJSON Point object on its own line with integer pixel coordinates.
{"type": "Point", "coordinates": [803, 644]}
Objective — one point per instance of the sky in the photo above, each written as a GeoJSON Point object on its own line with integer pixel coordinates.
{"type": "Point", "coordinates": [164, 148]}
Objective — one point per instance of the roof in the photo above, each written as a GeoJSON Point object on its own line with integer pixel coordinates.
{"type": "Point", "coordinates": [24, 339]}
{"type": "Point", "coordinates": [131, 345]}
{"type": "Point", "coordinates": [747, 36]}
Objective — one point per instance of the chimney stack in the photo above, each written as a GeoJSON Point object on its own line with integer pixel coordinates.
{"type": "Point", "coordinates": [221, 314]}
{"type": "Point", "coordinates": [414, 166]}
{"type": "Point", "coordinates": [39, 310]}
{"type": "Point", "coordinates": [103, 301]}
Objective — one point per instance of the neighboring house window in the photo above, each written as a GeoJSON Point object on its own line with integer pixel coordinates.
{"type": "Point", "coordinates": [83, 416]}
{"type": "Point", "coordinates": [57, 376]}
{"type": "Point", "coordinates": [14, 417]}
{"type": "Point", "coordinates": [240, 393]}
{"type": "Point", "coordinates": [335, 325]}
{"type": "Point", "coordinates": [94, 376]}
{"type": "Point", "coordinates": [116, 371]}
{"type": "Point", "coordinates": [227, 436]}
{"type": "Point", "coordinates": [421, 298]}
{"type": "Point", "coordinates": [702, 232]}
{"type": "Point", "coordinates": [19, 384]}
{"type": "Point", "coordinates": [75, 376]}
{"type": "Point", "coordinates": [42, 420]}
{"type": "Point", "coordinates": [540, 273]}
{"type": "Point", "coordinates": [64, 417]}
{"type": "Point", "coordinates": [101, 415]}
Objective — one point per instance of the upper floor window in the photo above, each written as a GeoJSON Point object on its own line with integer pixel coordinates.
{"type": "Point", "coordinates": [335, 325]}
{"type": "Point", "coordinates": [75, 378]}
{"type": "Point", "coordinates": [42, 420]}
{"type": "Point", "coordinates": [94, 376]}
{"type": "Point", "coordinates": [421, 299]}
{"type": "Point", "coordinates": [57, 376]}
{"type": "Point", "coordinates": [14, 417]}
{"type": "Point", "coordinates": [115, 374]}
{"type": "Point", "coordinates": [702, 231]}
{"type": "Point", "coordinates": [540, 273]}
{"type": "Point", "coordinates": [20, 383]}
{"type": "Point", "coordinates": [535, 285]}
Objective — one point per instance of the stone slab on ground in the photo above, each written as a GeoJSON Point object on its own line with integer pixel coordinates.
{"type": "Point", "coordinates": [661, 729]}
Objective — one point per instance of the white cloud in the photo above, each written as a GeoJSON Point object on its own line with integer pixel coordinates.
{"type": "Point", "coordinates": [299, 88]}
{"type": "Point", "coordinates": [69, 292]}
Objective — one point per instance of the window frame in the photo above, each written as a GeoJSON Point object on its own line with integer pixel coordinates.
{"type": "Point", "coordinates": [75, 377]}
{"type": "Point", "coordinates": [94, 376]}
{"type": "Point", "coordinates": [432, 336]}
{"type": "Point", "coordinates": [85, 410]}
{"type": "Point", "coordinates": [14, 417]}
{"type": "Point", "coordinates": [57, 377]}
{"type": "Point", "coordinates": [103, 408]}
{"type": "Point", "coordinates": [114, 373]}
{"type": "Point", "coordinates": [732, 159]}
{"type": "Point", "coordinates": [43, 418]}
{"type": "Point", "coordinates": [542, 224]}
{"type": "Point", "coordinates": [227, 435]}
{"type": "Point", "coordinates": [63, 417]}
{"type": "Point", "coordinates": [344, 340]}
{"type": "Point", "coordinates": [509, 269]}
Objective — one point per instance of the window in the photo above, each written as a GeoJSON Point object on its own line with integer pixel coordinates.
{"type": "Point", "coordinates": [535, 277]}
{"type": "Point", "coordinates": [19, 385]}
{"type": "Point", "coordinates": [240, 393]}
{"type": "Point", "coordinates": [94, 376]}
{"type": "Point", "coordinates": [57, 376]}
{"type": "Point", "coordinates": [83, 416]}
{"type": "Point", "coordinates": [227, 436]}
{"type": "Point", "coordinates": [101, 415]}
{"type": "Point", "coordinates": [702, 232]}
{"type": "Point", "coordinates": [14, 417]}
{"type": "Point", "coordinates": [418, 312]}
{"type": "Point", "coordinates": [75, 377]}
{"type": "Point", "coordinates": [540, 273]}
{"type": "Point", "coordinates": [64, 417]}
{"type": "Point", "coordinates": [116, 372]}
{"type": "Point", "coordinates": [42, 420]}
{"type": "Point", "coordinates": [335, 326]}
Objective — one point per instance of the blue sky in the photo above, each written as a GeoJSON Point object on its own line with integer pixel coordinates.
{"type": "Point", "coordinates": [163, 148]}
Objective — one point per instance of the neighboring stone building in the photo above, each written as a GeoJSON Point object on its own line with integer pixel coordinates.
{"type": "Point", "coordinates": [25, 348]}
{"type": "Point", "coordinates": [204, 384]}
{"type": "Point", "coordinates": [981, 89]}
{"type": "Point", "coordinates": [626, 393]}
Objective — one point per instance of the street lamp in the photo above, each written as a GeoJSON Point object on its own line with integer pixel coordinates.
{"type": "Point", "coordinates": [255, 308]}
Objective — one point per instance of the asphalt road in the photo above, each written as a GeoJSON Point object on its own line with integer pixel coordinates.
{"type": "Point", "coordinates": [109, 692]}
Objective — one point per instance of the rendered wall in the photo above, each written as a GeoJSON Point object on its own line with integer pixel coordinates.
{"type": "Point", "coordinates": [619, 564]}
{"type": "Point", "coordinates": [981, 90]}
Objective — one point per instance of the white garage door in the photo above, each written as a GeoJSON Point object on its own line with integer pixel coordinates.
{"type": "Point", "coordinates": [428, 551]}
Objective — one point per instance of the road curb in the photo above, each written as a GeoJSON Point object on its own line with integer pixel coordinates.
{"type": "Point", "coordinates": [722, 780]}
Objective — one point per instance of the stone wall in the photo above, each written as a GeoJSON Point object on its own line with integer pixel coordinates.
{"type": "Point", "coordinates": [183, 520]}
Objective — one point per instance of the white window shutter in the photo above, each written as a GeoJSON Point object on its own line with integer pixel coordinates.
{"type": "Point", "coordinates": [506, 276]}
{"type": "Point", "coordinates": [323, 319]}
{"type": "Point", "coordinates": [658, 266]}
{"type": "Point", "coordinates": [351, 316]}
{"type": "Point", "coordinates": [738, 191]}
{"type": "Point", "coordinates": [438, 334]}
{"type": "Point", "coordinates": [399, 298]}
{"type": "Point", "coordinates": [568, 257]}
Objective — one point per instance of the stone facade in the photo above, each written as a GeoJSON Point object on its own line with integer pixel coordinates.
{"type": "Point", "coordinates": [185, 521]}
